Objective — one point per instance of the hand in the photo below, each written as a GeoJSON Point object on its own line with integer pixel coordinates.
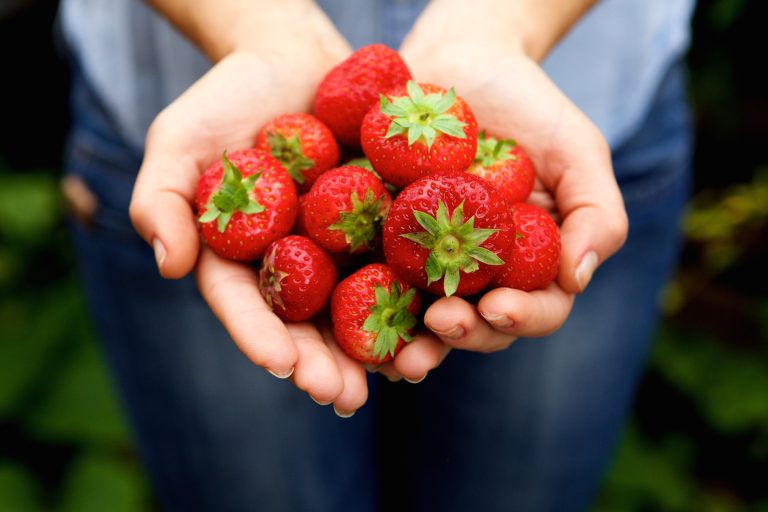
{"type": "Point", "coordinates": [513, 98]}
{"type": "Point", "coordinates": [224, 110]}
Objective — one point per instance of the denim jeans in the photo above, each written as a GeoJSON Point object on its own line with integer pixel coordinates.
{"type": "Point", "coordinates": [528, 429]}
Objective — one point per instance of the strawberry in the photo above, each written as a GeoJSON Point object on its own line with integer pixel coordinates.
{"type": "Point", "coordinates": [344, 210]}
{"type": "Point", "coordinates": [348, 90]}
{"type": "Point", "coordinates": [536, 254]}
{"type": "Point", "coordinates": [296, 278]}
{"type": "Point", "coordinates": [245, 201]}
{"type": "Point", "coordinates": [416, 130]}
{"type": "Point", "coordinates": [373, 314]}
{"type": "Point", "coordinates": [505, 164]}
{"type": "Point", "coordinates": [448, 233]}
{"type": "Point", "coordinates": [303, 144]}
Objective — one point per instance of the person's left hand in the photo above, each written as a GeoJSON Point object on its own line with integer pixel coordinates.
{"type": "Point", "coordinates": [513, 98]}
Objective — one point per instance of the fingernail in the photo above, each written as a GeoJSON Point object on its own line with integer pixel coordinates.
{"type": "Point", "coordinates": [373, 368]}
{"type": "Point", "coordinates": [453, 333]}
{"type": "Point", "coordinates": [160, 253]}
{"type": "Point", "coordinates": [318, 402]}
{"type": "Point", "coordinates": [416, 381]}
{"type": "Point", "coordinates": [282, 375]}
{"type": "Point", "coordinates": [342, 414]}
{"type": "Point", "coordinates": [501, 321]}
{"type": "Point", "coordinates": [585, 269]}
{"type": "Point", "coordinates": [395, 378]}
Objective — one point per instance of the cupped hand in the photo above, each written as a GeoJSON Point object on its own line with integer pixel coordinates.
{"type": "Point", "coordinates": [513, 98]}
{"type": "Point", "coordinates": [224, 110]}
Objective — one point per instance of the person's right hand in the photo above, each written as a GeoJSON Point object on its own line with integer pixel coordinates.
{"type": "Point", "coordinates": [224, 110]}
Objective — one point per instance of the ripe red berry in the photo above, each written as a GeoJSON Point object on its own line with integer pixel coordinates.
{"type": "Point", "coordinates": [373, 314]}
{"type": "Point", "coordinates": [448, 233]}
{"type": "Point", "coordinates": [344, 210]}
{"type": "Point", "coordinates": [535, 257]}
{"type": "Point", "coordinates": [416, 130]}
{"type": "Point", "coordinates": [504, 163]}
{"type": "Point", "coordinates": [303, 144]}
{"type": "Point", "coordinates": [296, 278]}
{"type": "Point", "coordinates": [245, 201]}
{"type": "Point", "coordinates": [348, 90]}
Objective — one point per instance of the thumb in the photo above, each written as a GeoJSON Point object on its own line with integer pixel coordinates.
{"type": "Point", "coordinates": [162, 214]}
{"type": "Point", "coordinates": [589, 235]}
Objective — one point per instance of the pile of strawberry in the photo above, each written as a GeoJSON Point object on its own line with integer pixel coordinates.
{"type": "Point", "coordinates": [435, 206]}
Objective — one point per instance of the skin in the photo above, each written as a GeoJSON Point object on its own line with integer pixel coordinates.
{"type": "Point", "coordinates": [269, 57]}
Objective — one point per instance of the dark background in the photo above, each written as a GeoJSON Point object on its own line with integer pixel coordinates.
{"type": "Point", "coordinates": [698, 437]}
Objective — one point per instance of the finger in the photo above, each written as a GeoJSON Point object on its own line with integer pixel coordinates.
{"type": "Point", "coordinates": [355, 392]}
{"type": "Point", "coordinates": [594, 221]}
{"type": "Point", "coordinates": [530, 314]}
{"type": "Point", "coordinates": [423, 354]}
{"type": "Point", "coordinates": [231, 290]}
{"type": "Point", "coordinates": [458, 324]}
{"type": "Point", "coordinates": [162, 214]}
{"type": "Point", "coordinates": [316, 370]}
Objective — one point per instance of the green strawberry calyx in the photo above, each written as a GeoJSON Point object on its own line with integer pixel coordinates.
{"type": "Point", "coordinates": [232, 195]}
{"type": "Point", "coordinates": [361, 224]}
{"type": "Point", "coordinates": [390, 319]}
{"type": "Point", "coordinates": [289, 152]}
{"type": "Point", "coordinates": [419, 116]}
{"type": "Point", "coordinates": [454, 245]}
{"type": "Point", "coordinates": [491, 150]}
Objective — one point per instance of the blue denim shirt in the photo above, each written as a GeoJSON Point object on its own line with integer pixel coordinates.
{"type": "Point", "coordinates": [610, 64]}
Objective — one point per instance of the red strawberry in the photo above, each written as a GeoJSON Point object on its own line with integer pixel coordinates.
{"type": "Point", "coordinates": [348, 90]}
{"type": "Point", "coordinates": [417, 130]}
{"type": "Point", "coordinates": [373, 314]}
{"type": "Point", "coordinates": [296, 278]}
{"type": "Point", "coordinates": [505, 164]}
{"type": "Point", "coordinates": [536, 254]}
{"type": "Point", "coordinates": [345, 209]}
{"type": "Point", "coordinates": [448, 233]}
{"type": "Point", "coordinates": [252, 200]}
{"type": "Point", "coordinates": [303, 144]}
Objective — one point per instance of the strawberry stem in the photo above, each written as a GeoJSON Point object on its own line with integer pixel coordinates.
{"type": "Point", "coordinates": [390, 319]}
{"type": "Point", "coordinates": [421, 117]}
{"type": "Point", "coordinates": [289, 152]}
{"type": "Point", "coordinates": [361, 225]}
{"type": "Point", "coordinates": [490, 150]}
{"type": "Point", "coordinates": [232, 195]}
{"type": "Point", "coordinates": [454, 245]}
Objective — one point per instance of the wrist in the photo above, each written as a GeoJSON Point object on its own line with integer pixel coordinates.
{"type": "Point", "coordinates": [528, 27]}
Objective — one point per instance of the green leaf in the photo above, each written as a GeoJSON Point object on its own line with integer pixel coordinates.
{"type": "Point", "coordinates": [426, 221]}
{"type": "Point", "coordinates": [480, 235]}
{"type": "Point", "coordinates": [452, 127]}
{"type": "Point", "coordinates": [446, 101]}
{"type": "Point", "coordinates": [252, 207]}
{"type": "Point", "coordinates": [415, 92]}
{"type": "Point", "coordinates": [97, 482]}
{"type": "Point", "coordinates": [451, 282]}
{"type": "Point", "coordinates": [223, 220]}
{"type": "Point", "coordinates": [394, 129]}
{"type": "Point", "coordinates": [457, 218]}
{"type": "Point", "coordinates": [483, 255]}
{"type": "Point", "coordinates": [19, 491]}
{"type": "Point", "coordinates": [382, 295]}
{"type": "Point", "coordinates": [422, 238]}
{"type": "Point", "coordinates": [211, 214]}
{"type": "Point", "coordinates": [372, 323]}
{"type": "Point", "coordinates": [79, 404]}
{"type": "Point", "coordinates": [30, 207]}
{"type": "Point", "coordinates": [433, 268]}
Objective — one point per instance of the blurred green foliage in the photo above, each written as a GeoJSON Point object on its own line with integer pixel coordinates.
{"type": "Point", "coordinates": [63, 441]}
